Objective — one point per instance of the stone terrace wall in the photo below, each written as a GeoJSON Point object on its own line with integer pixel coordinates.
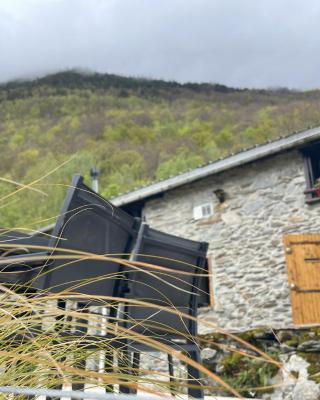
{"type": "Point", "coordinates": [265, 201]}
{"type": "Point", "coordinates": [297, 350]}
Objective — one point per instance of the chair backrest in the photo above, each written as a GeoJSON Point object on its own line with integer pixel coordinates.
{"type": "Point", "coordinates": [176, 289]}
{"type": "Point", "coordinates": [184, 258]}
{"type": "Point", "coordinates": [89, 223]}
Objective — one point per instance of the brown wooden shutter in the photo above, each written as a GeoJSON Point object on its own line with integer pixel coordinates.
{"type": "Point", "coordinates": [303, 265]}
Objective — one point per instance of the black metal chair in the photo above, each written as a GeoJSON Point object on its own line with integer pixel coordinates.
{"type": "Point", "coordinates": [177, 290]}
{"type": "Point", "coordinates": [87, 223]}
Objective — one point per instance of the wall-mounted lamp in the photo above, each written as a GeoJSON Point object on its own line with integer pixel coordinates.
{"type": "Point", "coordinates": [220, 195]}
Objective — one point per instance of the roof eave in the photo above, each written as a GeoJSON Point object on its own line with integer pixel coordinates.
{"type": "Point", "coordinates": [244, 157]}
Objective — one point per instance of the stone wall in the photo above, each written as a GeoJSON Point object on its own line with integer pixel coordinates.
{"type": "Point", "coordinates": [264, 201]}
{"type": "Point", "coordinates": [294, 376]}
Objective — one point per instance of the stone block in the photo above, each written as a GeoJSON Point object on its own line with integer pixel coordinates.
{"type": "Point", "coordinates": [311, 346]}
{"type": "Point", "coordinates": [231, 218]}
{"type": "Point", "coordinates": [306, 390]}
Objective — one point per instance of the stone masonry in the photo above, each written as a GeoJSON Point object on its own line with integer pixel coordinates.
{"type": "Point", "coordinates": [265, 201]}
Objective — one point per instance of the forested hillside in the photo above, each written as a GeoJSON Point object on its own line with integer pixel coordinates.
{"type": "Point", "coordinates": [134, 130]}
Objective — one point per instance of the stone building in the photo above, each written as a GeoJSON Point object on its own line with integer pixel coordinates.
{"type": "Point", "coordinates": [246, 206]}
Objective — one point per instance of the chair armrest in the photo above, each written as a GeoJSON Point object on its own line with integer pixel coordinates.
{"type": "Point", "coordinates": [29, 259]}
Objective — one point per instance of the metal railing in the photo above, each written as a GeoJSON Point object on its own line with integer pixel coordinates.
{"type": "Point", "coordinates": [28, 391]}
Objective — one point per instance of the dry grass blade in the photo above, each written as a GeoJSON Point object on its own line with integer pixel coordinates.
{"type": "Point", "coordinates": [23, 186]}
{"type": "Point", "coordinates": [34, 182]}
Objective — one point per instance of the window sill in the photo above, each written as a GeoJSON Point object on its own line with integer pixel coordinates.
{"type": "Point", "coordinates": [312, 196]}
{"type": "Point", "coordinates": [313, 200]}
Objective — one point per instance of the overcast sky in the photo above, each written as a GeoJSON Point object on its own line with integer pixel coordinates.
{"type": "Point", "coordinates": [243, 43]}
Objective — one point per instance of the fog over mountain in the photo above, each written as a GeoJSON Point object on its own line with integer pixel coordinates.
{"type": "Point", "coordinates": [242, 43]}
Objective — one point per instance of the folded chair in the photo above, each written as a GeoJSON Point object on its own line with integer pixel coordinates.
{"type": "Point", "coordinates": [176, 289]}
{"type": "Point", "coordinates": [87, 223]}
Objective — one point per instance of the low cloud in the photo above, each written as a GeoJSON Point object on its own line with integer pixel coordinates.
{"type": "Point", "coordinates": [243, 43]}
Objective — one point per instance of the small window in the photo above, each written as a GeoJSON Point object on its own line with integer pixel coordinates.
{"type": "Point", "coordinates": [312, 172]}
{"type": "Point", "coordinates": [202, 211]}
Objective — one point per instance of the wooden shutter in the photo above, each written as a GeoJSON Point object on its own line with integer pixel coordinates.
{"type": "Point", "coordinates": [303, 265]}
